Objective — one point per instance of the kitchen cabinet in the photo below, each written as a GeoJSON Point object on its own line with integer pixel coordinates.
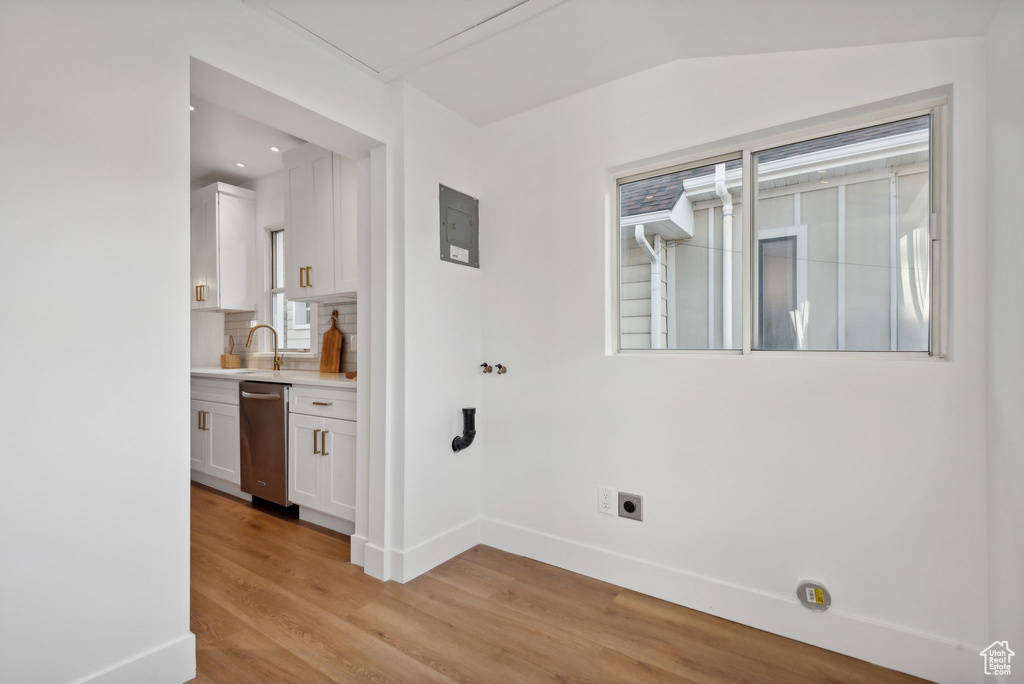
{"type": "Point", "coordinates": [200, 452]}
{"type": "Point", "coordinates": [305, 480]}
{"type": "Point", "coordinates": [340, 469]}
{"type": "Point", "coordinates": [223, 230]}
{"type": "Point", "coordinates": [320, 224]}
{"type": "Point", "coordinates": [322, 455]}
{"type": "Point", "coordinates": [215, 440]}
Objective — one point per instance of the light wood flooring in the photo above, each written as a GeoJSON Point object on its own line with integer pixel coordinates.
{"type": "Point", "coordinates": [275, 600]}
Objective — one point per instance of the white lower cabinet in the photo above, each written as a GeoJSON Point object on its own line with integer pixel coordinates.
{"type": "Point", "coordinates": [215, 441]}
{"type": "Point", "coordinates": [340, 469]}
{"type": "Point", "coordinates": [200, 438]}
{"type": "Point", "coordinates": [322, 464]}
{"type": "Point", "coordinates": [305, 464]}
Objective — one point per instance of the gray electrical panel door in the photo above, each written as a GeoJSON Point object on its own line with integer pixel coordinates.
{"type": "Point", "coordinates": [460, 227]}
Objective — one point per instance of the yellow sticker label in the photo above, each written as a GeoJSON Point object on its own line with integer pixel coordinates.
{"type": "Point", "coordinates": [819, 596]}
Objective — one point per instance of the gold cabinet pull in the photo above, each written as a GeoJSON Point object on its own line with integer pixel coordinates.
{"type": "Point", "coordinates": [323, 443]}
{"type": "Point", "coordinates": [206, 420]}
{"type": "Point", "coordinates": [323, 403]}
{"type": "Point", "coordinates": [302, 271]}
{"type": "Point", "coordinates": [309, 276]}
{"type": "Point", "coordinates": [199, 420]}
{"type": "Point", "coordinates": [316, 433]}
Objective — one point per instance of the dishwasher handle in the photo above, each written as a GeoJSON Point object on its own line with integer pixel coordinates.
{"type": "Point", "coordinates": [260, 396]}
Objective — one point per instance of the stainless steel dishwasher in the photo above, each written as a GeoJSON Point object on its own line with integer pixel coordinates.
{"type": "Point", "coordinates": [263, 417]}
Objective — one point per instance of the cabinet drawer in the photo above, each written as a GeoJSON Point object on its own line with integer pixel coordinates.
{"type": "Point", "coordinates": [326, 403]}
{"type": "Point", "coordinates": [213, 389]}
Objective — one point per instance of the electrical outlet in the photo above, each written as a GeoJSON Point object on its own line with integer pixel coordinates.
{"type": "Point", "coordinates": [631, 506]}
{"type": "Point", "coordinates": [606, 498]}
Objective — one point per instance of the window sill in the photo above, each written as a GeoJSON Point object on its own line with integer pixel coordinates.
{"type": "Point", "coordinates": [287, 355]}
{"type": "Point", "coordinates": [780, 354]}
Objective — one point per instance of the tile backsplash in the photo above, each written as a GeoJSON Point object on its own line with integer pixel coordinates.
{"type": "Point", "coordinates": [239, 324]}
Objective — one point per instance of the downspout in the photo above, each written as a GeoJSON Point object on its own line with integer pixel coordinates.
{"type": "Point", "coordinates": [726, 198]}
{"type": "Point", "coordinates": [655, 260]}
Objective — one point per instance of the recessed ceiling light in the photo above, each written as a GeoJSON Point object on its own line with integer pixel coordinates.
{"type": "Point", "coordinates": [191, 108]}
{"type": "Point", "coordinates": [649, 197]}
{"type": "Point", "coordinates": [822, 170]}
{"type": "Point", "coordinates": [825, 182]}
{"type": "Point", "coordinates": [240, 165]}
{"type": "Point", "coordinates": [275, 148]}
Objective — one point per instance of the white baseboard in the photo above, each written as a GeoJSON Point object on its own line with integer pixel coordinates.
{"type": "Point", "coordinates": [170, 663]}
{"type": "Point", "coordinates": [375, 562]}
{"type": "Point", "coordinates": [220, 485]}
{"type": "Point", "coordinates": [358, 550]}
{"type": "Point", "coordinates": [929, 656]}
{"type": "Point", "coordinates": [328, 521]}
{"type": "Point", "coordinates": [411, 563]}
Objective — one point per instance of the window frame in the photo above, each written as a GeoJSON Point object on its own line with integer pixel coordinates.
{"type": "Point", "coordinates": [935, 102]}
{"type": "Point", "coordinates": [266, 347]}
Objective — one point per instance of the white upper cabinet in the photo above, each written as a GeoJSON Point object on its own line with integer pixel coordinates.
{"type": "Point", "coordinates": [320, 210]}
{"type": "Point", "coordinates": [223, 221]}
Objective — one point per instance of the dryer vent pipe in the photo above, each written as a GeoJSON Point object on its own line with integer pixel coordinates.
{"type": "Point", "coordinates": [468, 430]}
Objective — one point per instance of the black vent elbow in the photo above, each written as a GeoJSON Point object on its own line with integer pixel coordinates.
{"type": "Point", "coordinates": [468, 430]}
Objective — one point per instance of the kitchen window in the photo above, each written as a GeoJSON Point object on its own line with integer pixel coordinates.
{"type": "Point", "coordinates": [843, 228]}
{"type": "Point", "coordinates": [290, 319]}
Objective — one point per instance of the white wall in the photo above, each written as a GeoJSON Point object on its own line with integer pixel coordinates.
{"type": "Point", "coordinates": [1005, 61]}
{"type": "Point", "coordinates": [95, 186]}
{"type": "Point", "coordinates": [441, 489]}
{"type": "Point", "coordinates": [756, 472]}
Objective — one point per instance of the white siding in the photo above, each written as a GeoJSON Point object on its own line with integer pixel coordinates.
{"type": "Point", "coordinates": [635, 295]}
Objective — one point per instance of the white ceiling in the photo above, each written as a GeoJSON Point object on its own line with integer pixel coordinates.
{"type": "Point", "coordinates": [389, 38]}
{"type": "Point", "coordinates": [220, 138]}
{"type": "Point", "coordinates": [543, 50]}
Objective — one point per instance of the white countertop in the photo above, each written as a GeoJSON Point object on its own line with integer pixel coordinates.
{"type": "Point", "coordinates": [282, 377]}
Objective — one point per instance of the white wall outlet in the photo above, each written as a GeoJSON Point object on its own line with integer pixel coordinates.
{"type": "Point", "coordinates": [607, 500]}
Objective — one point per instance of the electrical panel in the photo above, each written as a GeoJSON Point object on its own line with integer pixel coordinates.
{"type": "Point", "coordinates": [460, 227]}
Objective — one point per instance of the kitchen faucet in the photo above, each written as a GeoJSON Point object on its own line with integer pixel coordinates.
{"type": "Point", "coordinates": [277, 359]}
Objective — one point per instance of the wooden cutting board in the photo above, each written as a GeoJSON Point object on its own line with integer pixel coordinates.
{"type": "Point", "coordinates": [330, 349]}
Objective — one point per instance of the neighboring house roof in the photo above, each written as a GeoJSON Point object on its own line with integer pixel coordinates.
{"type": "Point", "coordinates": [661, 192]}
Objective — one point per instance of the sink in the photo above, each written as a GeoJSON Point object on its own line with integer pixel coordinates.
{"type": "Point", "coordinates": [239, 371]}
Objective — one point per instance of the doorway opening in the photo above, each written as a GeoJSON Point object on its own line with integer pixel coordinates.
{"type": "Point", "coordinates": [288, 215]}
